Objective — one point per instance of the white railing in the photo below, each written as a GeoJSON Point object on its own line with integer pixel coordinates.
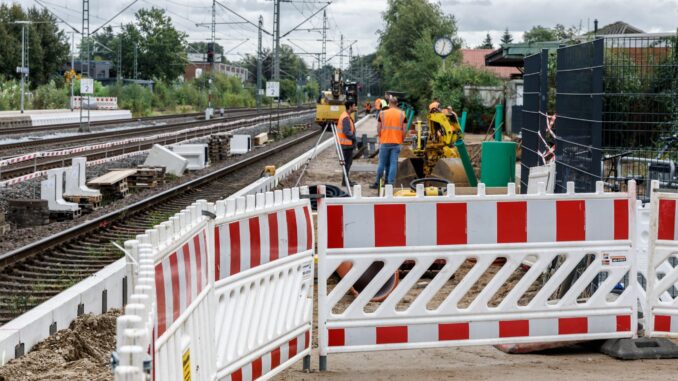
{"type": "Point", "coordinates": [583, 241]}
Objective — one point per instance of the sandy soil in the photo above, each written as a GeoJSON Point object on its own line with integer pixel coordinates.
{"type": "Point", "coordinates": [81, 352]}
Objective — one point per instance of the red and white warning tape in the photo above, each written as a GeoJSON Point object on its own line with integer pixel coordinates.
{"type": "Point", "coordinates": [549, 155]}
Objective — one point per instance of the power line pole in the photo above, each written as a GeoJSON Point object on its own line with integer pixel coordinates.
{"type": "Point", "coordinates": [136, 46]}
{"type": "Point", "coordinates": [276, 40]}
{"type": "Point", "coordinates": [324, 51]}
{"type": "Point", "coordinates": [350, 60]}
{"type": "Point", "coordinates": [84, 65]}
{"type": "Point", "coordinates": [260, 58]}
{"type": "Point", "coordinates": [214, 48]}
{"type": "Point", "coordinates": [341, 56]}
{"type": "Point", "coordinates": [22, 70]}
{"type": "Point", "coordinates": [73, 68]}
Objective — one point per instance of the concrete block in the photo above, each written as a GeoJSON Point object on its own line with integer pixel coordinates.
{"type": "Point", "coordinates": [261, 139]}
{"type": "Point", "coordinates": [640, 348]}
{"type": "Point", "coordinates": [76, 179]}
{"type": "Point", "coordinates": [196, 154]}
{"type": "Point", "coordinates": [9, 339]}
{"type": "Point", "coordinates": [160, 156]}
{"type": "Point", "coordinates": [241, 144]}
{"type": "Point", "coordinates": [52, 190]}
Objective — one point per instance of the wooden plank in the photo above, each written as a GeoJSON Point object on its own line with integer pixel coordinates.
{"type": "Point", "coordinates": [112, 177]}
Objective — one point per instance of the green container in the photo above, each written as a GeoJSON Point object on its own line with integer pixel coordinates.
{"type": "Point", "coordinates": [498, 163]}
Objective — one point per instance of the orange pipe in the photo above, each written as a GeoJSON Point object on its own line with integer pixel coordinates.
{"type": "Point", "coordinates": [367, 277]}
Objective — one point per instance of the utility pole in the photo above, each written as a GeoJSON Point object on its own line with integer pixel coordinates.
{"type": "Point", "coordinates": [23, 70]}
{"type": "Point", "coordinates": [341, 49]}
{"type": "Point", "coordinates": [119, 76]}
{"type": "Point", "coordinates": [214, 48]}
{"type": "Point", "coordinates": [260, 63]}
{"type": "Point", "coordinates": [135, 60]}
{"type": "Point", "coordinates": [276, 40]}
{"type": "Point", "coordinates": [73, 68]}
{"type": "Point", "coordinates": [350, 60]}
{"type": "Point", "coordinates": [324, 51]}
{"type": "Point", "coordinates": [84, 65]}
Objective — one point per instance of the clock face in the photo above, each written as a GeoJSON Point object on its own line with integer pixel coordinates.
{"type": "Point", "coordinates": [443, 46]}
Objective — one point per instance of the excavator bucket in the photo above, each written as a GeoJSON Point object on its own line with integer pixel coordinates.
{"type": "Point", "coordinates": [451, 169]}
{"type": "Point", "coordinates": [408, 169]}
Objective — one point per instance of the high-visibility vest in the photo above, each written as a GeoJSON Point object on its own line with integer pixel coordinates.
{"type": "Point", "coordinates": [392, 121]}
{"type": "Point", "coordinates": [377, 104]}
{"type": "Point", "coordinates": [343, 139]}
{"type": "Point", "coordinates": [433, 105]}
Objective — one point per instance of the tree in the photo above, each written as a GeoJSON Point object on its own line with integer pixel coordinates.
{"type": "Point", "coordinates": [557, 33]}
{"type": "Point", "coordinates": [48, 46]}
{"type": "Point", "coordinates": [161, 49]}
{"type": "Point", "coordinates": [506, 38]}
{"type": "Point", "coordinates": [405, 54]}
{"type": "Point", "coordinates": [487, 43]}
{"type": "Point", "coordinates": [539, 34]}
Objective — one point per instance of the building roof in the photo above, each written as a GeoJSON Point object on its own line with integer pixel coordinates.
{"type": "Point", "coordinates": [512, 55]}
{"type": "Point", "coordinates": [476, 58]}
{"type": "Point", "coordinates": [618, 27]}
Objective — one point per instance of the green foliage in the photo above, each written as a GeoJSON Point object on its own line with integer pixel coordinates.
{"type": "Point", "coordinates": [449, 89]}
{"type": "Point", "coordinates": [487, 43]}
{"type": "Point", "coordinates": [50, 97]}
{"type": "Point", "coordinates": [557, 33]}
{"type": "Point", "coordinates": [406, 46]}
{"type": "Point", "coordinates": [48, 47]}
{"type": "Point", "coordinates": [506, 38]}
{"type": "Point", "coordinates": [135, 98]}
{"type": "Point", "coordinates": [10, 95]}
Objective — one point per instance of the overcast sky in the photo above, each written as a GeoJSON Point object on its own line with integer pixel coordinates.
{"type": "Point", "coordinates": [360, 20]}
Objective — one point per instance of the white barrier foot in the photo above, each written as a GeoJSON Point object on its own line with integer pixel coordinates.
{"type": "Point", "coordinates": [52, 190]}
{"type": "Point", "coordinates": [322, 366]}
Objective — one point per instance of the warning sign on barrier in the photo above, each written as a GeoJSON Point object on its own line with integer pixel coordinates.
{"type": "Point", "coordinates": [186, 362]}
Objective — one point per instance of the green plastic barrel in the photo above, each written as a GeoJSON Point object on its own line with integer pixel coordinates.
{"type": "Point", "coordinates": [498, 163]}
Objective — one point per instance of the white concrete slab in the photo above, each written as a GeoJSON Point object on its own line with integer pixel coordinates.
{"type": "Point", "coordinates": [76, 178]}
{"type": "Point", "coordinates": [52, 190]}
{"type": "Point", "coordinates": [160, 156]}
{"type": "Point", "coordinates": [196, 154]}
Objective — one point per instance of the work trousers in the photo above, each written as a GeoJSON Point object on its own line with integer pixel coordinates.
{"type": "Point", "coordinates": [348, 160]}
{"type": "Point", "coordinates": [388, 161]}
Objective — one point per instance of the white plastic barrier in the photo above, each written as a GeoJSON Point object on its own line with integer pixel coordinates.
{"type": "Point", "coordinates": [230, 298]}
{"type": "Point", "coordinates": [102, 103]}
{"type": "Point", "coordinates": [662, 286]}
{"type": "Point", "coordinates": [173, 316]}
{"type": "Point", "coordinates": [590, 232]}
{"type": "Point", "coordinates": [264, 284]}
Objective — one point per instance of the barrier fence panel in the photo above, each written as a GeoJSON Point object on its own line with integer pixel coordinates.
{"type": "Point", "coordinates": [662, 288]}
{"type": "Point", "coordinates": [423, 272]}
{"type": "Point", "coordinates": [263, 284]}
{"type": "Point", "coordinates": [167, 321]}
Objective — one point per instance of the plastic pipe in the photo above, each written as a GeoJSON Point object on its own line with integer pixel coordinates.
{"type": "Point", "coordinates": [498, 121]}
{"type": "Point", "coordinates": [466, 161]}
{"type": "Point", "coordinates": [462, 122]}
{"type": "Point", "coordinates": [367, 277]}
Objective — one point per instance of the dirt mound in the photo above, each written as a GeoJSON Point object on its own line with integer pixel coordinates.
{"type": "Point", "coordinates": [81, 352]}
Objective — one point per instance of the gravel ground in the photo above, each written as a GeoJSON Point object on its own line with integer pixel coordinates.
{"type": "Point", "coordinates": [31, 189]}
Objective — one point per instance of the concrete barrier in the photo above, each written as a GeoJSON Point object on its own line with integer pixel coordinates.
{"type": "Point", "coordinates": [52, 190]}
{"type": "Point", "coordinates": [76, 179]}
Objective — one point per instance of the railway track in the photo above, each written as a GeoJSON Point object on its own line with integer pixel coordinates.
{"type": "Point", "coordinates": [44, 163]}
{"type": "Point", "coordinates": [113, 123]}
{"type": "Point", "coordinates": [37, 272]}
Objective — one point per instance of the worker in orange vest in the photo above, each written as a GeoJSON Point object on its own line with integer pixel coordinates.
{"type": "Point", "coordinates": [377, 106]}
{"type": "Point", "coordinates": [346, 136]}
{"type": "Point", "coordinates": [434, 106]}
{"type": "Point", "coordinates": [391, 131]}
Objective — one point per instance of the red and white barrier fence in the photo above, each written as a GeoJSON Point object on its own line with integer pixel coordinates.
{"type": "Point", "coordinates": [584, 234]}
{"type": "Point", "coordinates": [98, 103]}
{"type": "Point", "coordinates": [264, 283]}
{"type": "Point", "coordinates": [662, 274]}
{"type": "Point", "coordinates": [229, 298]}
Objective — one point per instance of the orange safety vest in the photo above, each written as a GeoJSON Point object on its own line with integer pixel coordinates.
{"type": "Point", "coordinates": [392, 121]}
{"type": "Point", "coordinates": [377, 104]}
{"type": "Point", "coordinates": [343, 139]}
{"type": "Point", "coordinates": [433, 105]}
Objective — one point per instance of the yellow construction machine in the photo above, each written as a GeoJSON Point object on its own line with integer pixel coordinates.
{"type": "Point", "coordinates": [437, 152]}
{"type": "Point", "coordinates": [331, 102]}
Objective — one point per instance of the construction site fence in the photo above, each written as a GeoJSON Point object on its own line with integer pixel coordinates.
{"type": "Point", "coordinates": [220, 291]}
{"type": "Point", "coordinates": [225, 290]}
